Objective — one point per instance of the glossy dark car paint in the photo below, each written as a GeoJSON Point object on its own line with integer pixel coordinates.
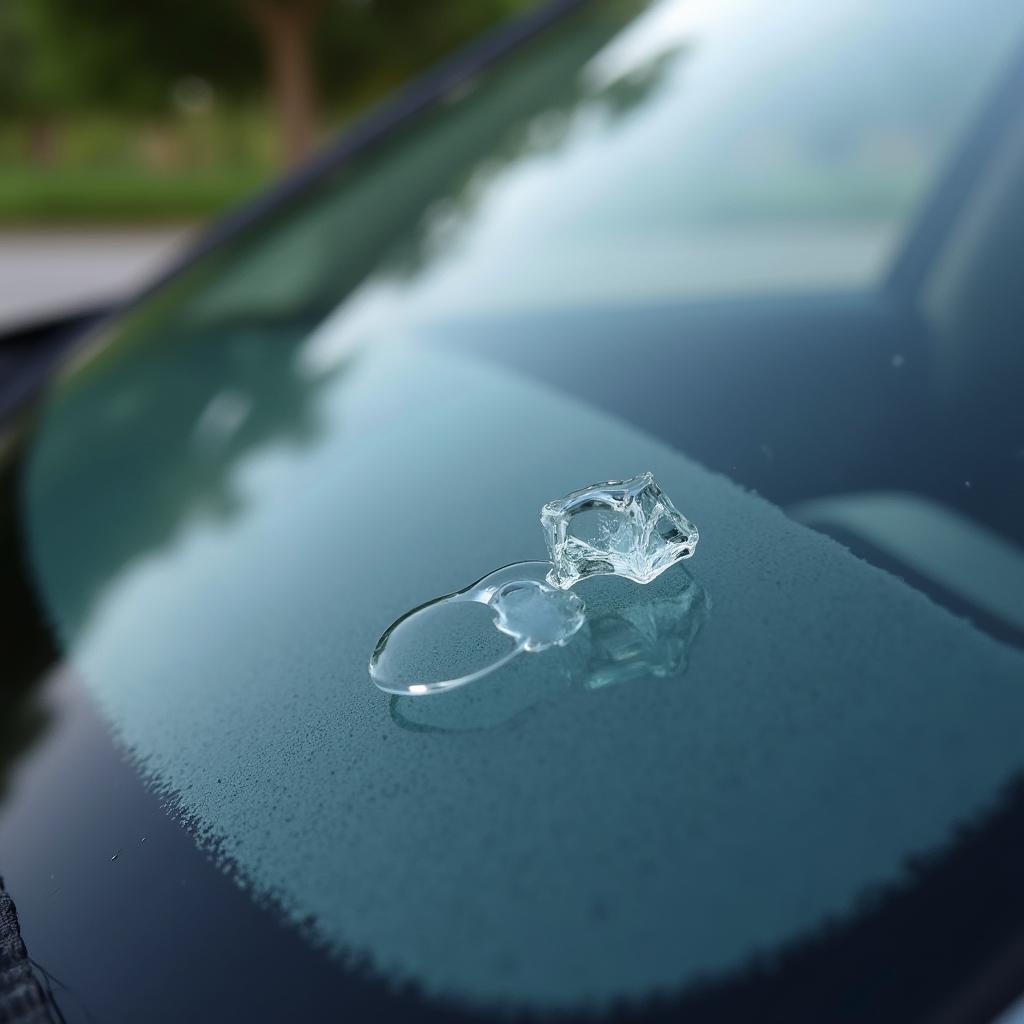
{"type": "Point", "coordinates": [161, 932]}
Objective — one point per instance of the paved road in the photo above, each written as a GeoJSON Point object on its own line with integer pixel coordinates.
{"type": "Point", "coordinates": [45, 272]}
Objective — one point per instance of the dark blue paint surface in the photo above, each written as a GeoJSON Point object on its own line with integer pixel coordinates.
{"type": "Point", "coordinates": [656, 251]}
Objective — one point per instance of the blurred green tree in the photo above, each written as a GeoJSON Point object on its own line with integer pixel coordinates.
{"type": "Point", "coordinates": [63, 55]}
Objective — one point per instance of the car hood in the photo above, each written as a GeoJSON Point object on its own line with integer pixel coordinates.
{"type": "Point", "coordinates": [220, 588]}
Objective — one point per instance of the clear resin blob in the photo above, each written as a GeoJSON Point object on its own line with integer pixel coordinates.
{"type": "Point", "coordinates": [620, 527]}
{"type": "Point", "coordinates": [461, 637]}
{"type": "Point", "coordinates": [626, 528]}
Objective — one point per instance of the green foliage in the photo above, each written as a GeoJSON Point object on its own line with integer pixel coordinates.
{"type": "Point", "coordinates": [16, 74]}
{"type": "Point", "coordinates": [111, 195]}
{"type": "Point", "coordinates": [126, 55]}
{"type": "Point", "coordinates": [158, 109]}
{"type": "Point", "coordinates": [384, 41]}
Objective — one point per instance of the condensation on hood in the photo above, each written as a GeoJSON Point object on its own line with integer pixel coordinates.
{"type": "Point", "coordinates": [832, 723]}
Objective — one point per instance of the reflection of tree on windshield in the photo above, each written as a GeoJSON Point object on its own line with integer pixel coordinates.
{"type": "Point", "coordinates": [393, 210]}
{"type": "Point", "coordinates": [569, 101]}
{"type": "Point", "coordinates": [149, 438]}
{"type": "Point", "coordinates": [150, 433]}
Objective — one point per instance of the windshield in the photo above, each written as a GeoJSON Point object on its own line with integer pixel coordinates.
{"type": "Point", "coordinates": [768, 256]}
{"type": "Point", "coordinates": [703, 149]}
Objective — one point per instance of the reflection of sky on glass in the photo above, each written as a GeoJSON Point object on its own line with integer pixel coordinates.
{"type": "Point", "coordinates": [772, 150]}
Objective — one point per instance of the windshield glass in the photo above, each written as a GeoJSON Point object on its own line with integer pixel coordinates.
{"type": "Point", "coordinates": [703, 149]}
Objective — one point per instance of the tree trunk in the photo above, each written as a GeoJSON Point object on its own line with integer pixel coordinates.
{"type": "Point", "coordinates": [286, 28]}
{"type": "Point", "coordinates": [42, 141]}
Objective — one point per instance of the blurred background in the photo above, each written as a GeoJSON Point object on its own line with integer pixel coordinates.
{"type": "Point", "coordinates": [776, 152]}
{"type": "Point", "coordinates": [125, 125]}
